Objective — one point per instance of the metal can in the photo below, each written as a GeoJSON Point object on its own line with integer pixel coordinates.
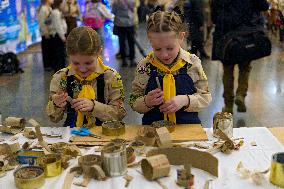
{"type": "Point", "coordinates": [224, 122]}
{"type": "Point", "coordinates": [114, 159]}
{"type": "Point", "coordinates": [51, 164]}
{"type": "Point", "coordinates": [277, 169]}
{"type": "Point", "coordinates": [29, 177]}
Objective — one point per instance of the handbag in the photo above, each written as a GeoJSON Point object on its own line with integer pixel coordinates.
{"type": "Point", "coordinates": [238, 47]}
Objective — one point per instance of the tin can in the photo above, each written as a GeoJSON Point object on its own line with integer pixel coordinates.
{"type": "Point", "coordinates": [51, 164]}
{"type": "Point", "coordinates": [224, 122]}
{"type": "Point", "coordinates": [114, 159]}
{"type": "Point", "coordinates": [29, 177]}
{"type": "Point", "coordinates": [29, 156]}
{"type": "Point", "coordinates": [277, 169]}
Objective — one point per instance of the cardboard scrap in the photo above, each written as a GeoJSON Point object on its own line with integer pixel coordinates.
{"type": "Point", "coordinates": [68, 180]}
{"type": "Point", "coordinates": [181, 156]}
{"type": "Point", "coordinates": [29, 133]}
{"type": "Point", "coordinates": [147, 135]}
{"type": "Point", "coordinates": [4, 166]}
{"type": "Point", "coordinates": [13, 125]}
{"type": "Point", "coordinates": [128, 179]}
{"type": "Point", "coordinates": [256, 176]}
{"type": "Point", "coordinates": [225, 146]}
{"type": "Point", "coordinates": [39, 134]}
{"type": "Point", "coordinates": [90, 167]}
{"type": "Point", "coordinates": [163, 138]}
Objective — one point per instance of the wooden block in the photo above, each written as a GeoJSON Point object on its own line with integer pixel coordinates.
{"type": "Point", "coordinates": [182, 133]}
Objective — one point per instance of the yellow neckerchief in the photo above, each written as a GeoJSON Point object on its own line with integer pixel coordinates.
{"type": "Point", "coordinates": [88, 91]}
{"type": "Point", "coordinates": [169, 85]}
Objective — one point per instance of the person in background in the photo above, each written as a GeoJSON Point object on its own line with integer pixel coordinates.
{"type": "Point", "coordinates": [60, 27]}
{"type": "Point", "coordinates": [228, 16]}
{"type": "Point", "coordinates": [124, 20]}
{"type": "Point", "coordinates": [183, 89]}
{"type": "Point", "coordinates": [71, 12]}
{"type": "Point", "coordinates": [193, 15]}
{"type": "Point", "coordinates": [95, 16]}
{"type": "Point", "coordinates": [46, 32]}
{"type": "Point", "coordinates": [87, 90]}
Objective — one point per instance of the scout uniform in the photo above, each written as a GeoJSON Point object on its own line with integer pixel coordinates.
{"type": "Point", "coordinates": [104, 85]}
{"type": "Point", "coordinates": [185, 77]}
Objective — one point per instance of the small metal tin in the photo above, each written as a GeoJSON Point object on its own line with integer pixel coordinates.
{"type": "Point", "coordinates": [224, 122]}
{"type": "Point", "coordinates": [29, 177]}
{"type": "Point", "coordinates": [138, 146]}
{"type": "Point", "coordinates": [29, 156]}
{"type": "Point", "coordinates": [277, 169]}
{"type": "Point", "coordinates": [113, 128]}
{"type": "Point", "coordinates": [114, 159]}
{"type": "Point", "coordinates": [51, 164]}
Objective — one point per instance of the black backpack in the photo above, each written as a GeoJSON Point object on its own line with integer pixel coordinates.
{"type": "Point", "coordinates": [9, 63]}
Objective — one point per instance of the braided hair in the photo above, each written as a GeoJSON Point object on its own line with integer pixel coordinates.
{"type": "Point", "coordinates": [164, 21]}
{"type": "Point", "coordinates": [83, 40]}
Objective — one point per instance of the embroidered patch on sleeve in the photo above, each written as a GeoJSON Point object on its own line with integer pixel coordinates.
{"type": "Point", "coordinates": [116, 81]}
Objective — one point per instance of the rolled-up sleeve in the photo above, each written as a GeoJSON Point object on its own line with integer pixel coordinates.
{"type": "Point", "coordinates": [202, 97]}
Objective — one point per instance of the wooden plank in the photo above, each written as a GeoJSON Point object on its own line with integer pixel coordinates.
{"type": "Point", "coordinates": [182, 133]}
{"type": "Point", "coordinates": [278, 132]}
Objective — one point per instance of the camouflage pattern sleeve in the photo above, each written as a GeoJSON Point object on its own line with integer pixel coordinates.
{"type": "Point", "coordinates": [137, 96]}
{"type": "Point", "coordinates": [202, 97]}
{"type": "Point", "coordinates": [55, 113]}
{"type": "Point", "coordinates": [114, 108]}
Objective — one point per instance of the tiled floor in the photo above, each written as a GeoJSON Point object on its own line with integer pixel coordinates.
{"type": "Point", "coordinates": [25, 95]}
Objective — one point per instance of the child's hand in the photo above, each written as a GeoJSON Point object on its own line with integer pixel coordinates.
{"type": "Point", "coordinates": [174, 104]}
{"type": "Point", "coordinates": [154, 98]}
{"type": "Point", "coordinates": [82, 104]}
{"type": "Point", "coordinates": [59, 99]}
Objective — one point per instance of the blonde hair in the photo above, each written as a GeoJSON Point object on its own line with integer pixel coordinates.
{"type": "Point", "coordinates": [83, 40]}
{"type": "Point", "coordinates": [164, 21]}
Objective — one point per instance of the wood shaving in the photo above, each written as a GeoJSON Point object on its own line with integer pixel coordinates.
{"type": "Point", "coordinates": [256, 176]}
{"type": "Point", "coordinates": [253, 143]}
{"type": "Point", "coordinates": [128, 179]}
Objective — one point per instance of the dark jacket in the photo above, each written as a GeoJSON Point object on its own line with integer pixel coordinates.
{"type": "Point", "coordinates": [235, 15]}
{"type": "Point", "coordinates": [193, 16]}
{"type": "Point", "coordinates": [193, 12]}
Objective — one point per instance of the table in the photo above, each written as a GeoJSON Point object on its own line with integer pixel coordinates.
{"type": "Point", "coordinates": [278, 132]}
{"type": "Point", "coordinates": [253, 157]}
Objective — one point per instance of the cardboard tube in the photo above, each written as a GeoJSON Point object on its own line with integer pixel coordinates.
{"type": "Point", "coordinates": [15, 122]}
{"type": "Point", "coordinates": [155, 167]}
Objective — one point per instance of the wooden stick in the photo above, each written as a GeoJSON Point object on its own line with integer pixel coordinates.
{"type": "Point", "coordinates": [158, 83]}
{"type": "Point", "coordinates": [68, 180]}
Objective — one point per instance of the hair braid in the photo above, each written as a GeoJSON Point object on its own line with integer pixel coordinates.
{"type": "Point", "coordinates": [163, 21]}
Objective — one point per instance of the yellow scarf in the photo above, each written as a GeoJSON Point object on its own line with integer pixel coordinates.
{"type": "Point", "coordinates": [88, 92]}
{"type": "Point", "coordinates": [169, 85]}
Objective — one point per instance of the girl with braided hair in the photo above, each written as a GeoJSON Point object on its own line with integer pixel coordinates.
{"type": "Point", "coordinates": [88, 91]}
{"type": "Point", "coordinates": [183, 89]}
